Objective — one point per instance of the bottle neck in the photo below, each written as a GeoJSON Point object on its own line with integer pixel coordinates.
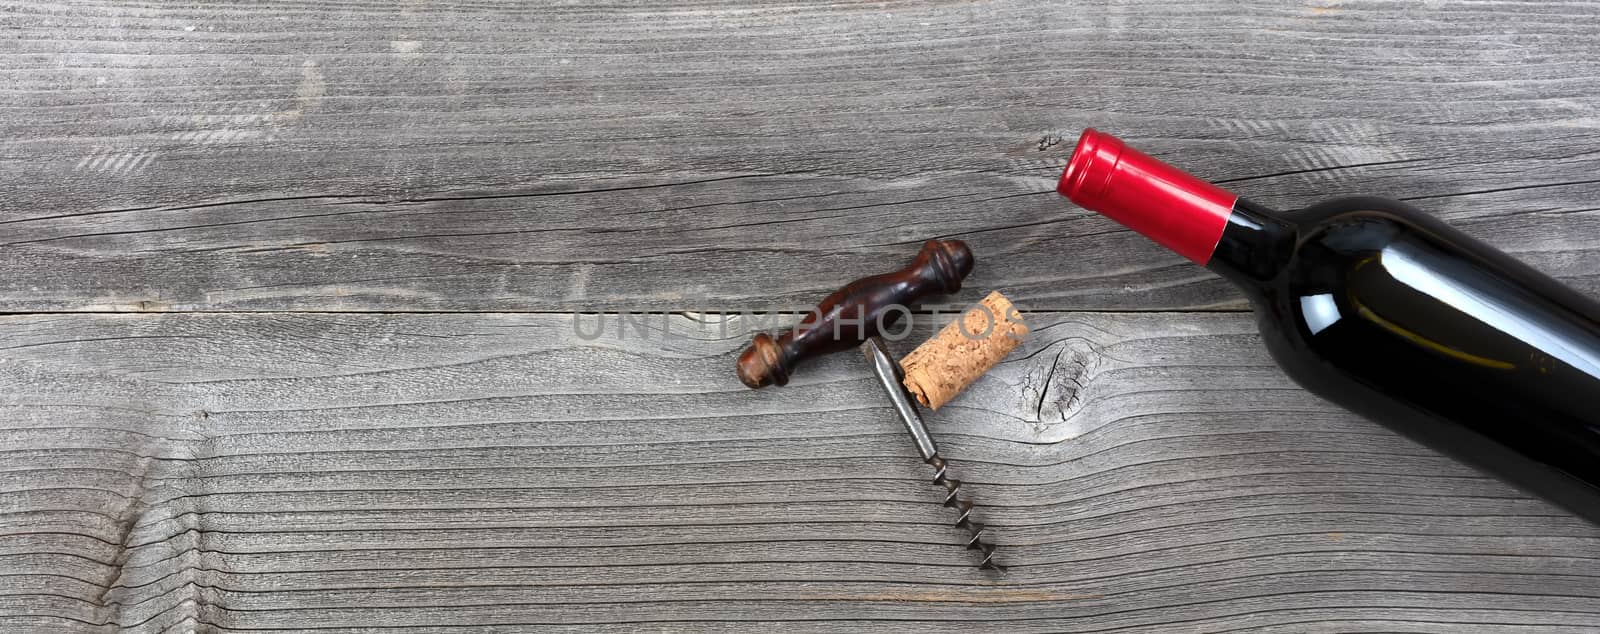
{"type": "Point", "coordinates": [1255, 245]}
{"type": "Point", "coordinates": [1209, 225]}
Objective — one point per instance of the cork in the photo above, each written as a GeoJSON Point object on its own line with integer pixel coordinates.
{"type": "Point", "coordinates": [964, 349]}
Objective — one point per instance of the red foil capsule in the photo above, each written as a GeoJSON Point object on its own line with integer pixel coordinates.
{"type": "Point", "coordinates": [1179, 211]}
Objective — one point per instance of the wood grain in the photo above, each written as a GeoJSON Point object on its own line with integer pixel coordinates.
{"type": "Point", "coordinates": [359, 233]}
{"type": "Point", "coordinates": [500, 472]}
{"type": "Point", "coordinates": [414, 156]}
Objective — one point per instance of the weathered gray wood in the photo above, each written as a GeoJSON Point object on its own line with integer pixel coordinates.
{"type": "Point", "coordinates": [498, 472]}
{"type": "Point", "coordinates": [372, 155]}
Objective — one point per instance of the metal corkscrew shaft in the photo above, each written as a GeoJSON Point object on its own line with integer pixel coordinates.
{"type": "Point", "coordinates": [889, 375]}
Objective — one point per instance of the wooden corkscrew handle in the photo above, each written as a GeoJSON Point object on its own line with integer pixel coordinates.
{"type": "Point", "coordinates": [855, 313]}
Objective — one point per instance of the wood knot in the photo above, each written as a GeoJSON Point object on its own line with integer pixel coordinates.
{"type": "Point", "coordinates": [1059, 394]}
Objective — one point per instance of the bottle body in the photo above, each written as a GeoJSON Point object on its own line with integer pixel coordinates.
{"type": "Point", "coordinates": [1391, 314]}
{"type": "Point", "coordinates": [1384, 310]}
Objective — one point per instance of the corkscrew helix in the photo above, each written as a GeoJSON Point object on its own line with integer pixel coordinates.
{"type": "Point", "coordinates": [857, 315]}
{"type": "Point", "coordinates": [892, 378]}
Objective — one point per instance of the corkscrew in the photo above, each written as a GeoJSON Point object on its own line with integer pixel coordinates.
{"type": "Point", "coordinates": [891, 376]}
{"type": "Point", "coordinates": [859, 313]}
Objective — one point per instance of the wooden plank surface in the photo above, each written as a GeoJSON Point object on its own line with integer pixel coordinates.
{"type": "Point", "coordinates": [375, 155]}
{"type": "Point", "coordinates": [257, 451]}
{"type": "Point", "coordinates": [234, 472]}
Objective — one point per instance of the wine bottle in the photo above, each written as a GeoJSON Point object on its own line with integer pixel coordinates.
{"type": "Point", "coordinates": [1383, 309]}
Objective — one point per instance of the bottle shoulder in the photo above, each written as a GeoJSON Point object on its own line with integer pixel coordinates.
{"type": "Point", "coordinates": [1261, 245]}
{"type": "Point", "coordinates": [1347, 231]}
{"type": "Point", "coordinates": [1367, 216]}
{"type": "Point", "coordinates": [1348, 264]}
